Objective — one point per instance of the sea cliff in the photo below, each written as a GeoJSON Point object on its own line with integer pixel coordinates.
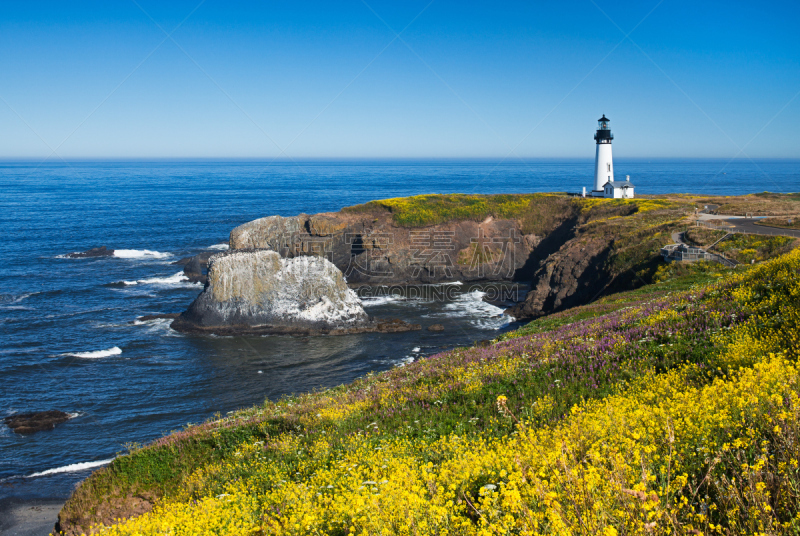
{"type": "Point", "coordinates": [569, 249]}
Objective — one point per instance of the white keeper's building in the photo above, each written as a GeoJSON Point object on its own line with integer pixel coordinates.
{"type": "Point", "coordinates": [604, 183]}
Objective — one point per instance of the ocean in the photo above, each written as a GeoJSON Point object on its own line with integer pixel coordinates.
{"type": "Point", "coordinates": [70, 339]}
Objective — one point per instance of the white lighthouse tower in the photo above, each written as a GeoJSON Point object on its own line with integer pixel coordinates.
{"type": "Point", "coordinates": [603, 166]}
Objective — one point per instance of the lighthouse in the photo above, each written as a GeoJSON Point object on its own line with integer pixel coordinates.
{"type": "Point", "coordinates": [603, 166]}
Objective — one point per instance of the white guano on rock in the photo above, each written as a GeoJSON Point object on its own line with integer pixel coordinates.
{"type": "Point", "coordinates": [257, 288]}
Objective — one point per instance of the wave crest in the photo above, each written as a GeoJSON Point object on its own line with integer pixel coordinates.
{"type": "Point", "coordinates": [72, 468]}
{"type": "Point", "coordinates": [97, 354]}
{"type": "Point", "coordinates": [140, 254]}
{"type": "Point", "coordinates": [179, 278]}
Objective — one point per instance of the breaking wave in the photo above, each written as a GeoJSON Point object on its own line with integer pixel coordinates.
{"type": "Point", "coordinates": [483, 315]}
{"type": "Point", "coordinates": [160, 326]}
{"type": "Point", "coordinates": [96, 354]}
{"type": "Point", "coordinates": [73, 468]}
{"type": "Point", "coordinates": [179, 278]}
{"type": "Point", "coordinates": [140, 254]}
{"type": "Point", "coordinates": [221, 247]}
{"type": "Point", "coordinates": [373, 301]}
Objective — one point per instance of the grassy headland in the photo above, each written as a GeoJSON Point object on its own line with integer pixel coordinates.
{"type": "Point", "coordinates": [536, 211]}
{"type": "Point", "coordinates": [670, 409]}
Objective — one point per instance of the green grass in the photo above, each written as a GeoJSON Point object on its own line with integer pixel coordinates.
{"type": "Point", "coordinates": [534, 210]}
{"type": "Point", "coordinates": [748, 248]}
{"type": "Point", "coordinates": [432, 209]}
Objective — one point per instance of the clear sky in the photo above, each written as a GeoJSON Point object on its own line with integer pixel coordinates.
{"type": "Point", "coordinates": [437, 78]}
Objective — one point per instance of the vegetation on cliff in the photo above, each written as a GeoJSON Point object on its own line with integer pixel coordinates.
{"type": "Point", "coordinates": [431, 209]}
{"type": "Point", "coordinates": [741, 247]}
{"type": "Point", "coordinates": [672, 411]}
{"type": "Point", "coordinates": [537, 212]}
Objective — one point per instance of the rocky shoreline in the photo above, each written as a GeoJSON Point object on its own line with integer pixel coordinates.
{"type": "Point", "coordinates": [555, 248]}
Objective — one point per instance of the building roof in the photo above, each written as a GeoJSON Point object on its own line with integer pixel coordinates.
{"type": "Point", "coordinates": [620, 184]}
{"type": "Point", "coordinates": [604, 118]}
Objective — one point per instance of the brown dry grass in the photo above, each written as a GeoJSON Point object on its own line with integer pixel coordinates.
{"type": "Point", "coordinates": [764, 204]}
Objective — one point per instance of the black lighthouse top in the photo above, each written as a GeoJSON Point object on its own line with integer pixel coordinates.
{"type": "Point", "coordinates": [603, 134]}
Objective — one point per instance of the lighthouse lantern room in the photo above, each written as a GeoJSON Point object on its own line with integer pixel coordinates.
{"type": "Point", "coordinates": [603, 165]}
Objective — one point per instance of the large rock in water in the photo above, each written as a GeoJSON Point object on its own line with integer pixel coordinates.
{"type": "Point", "coordinates": [257, 291]}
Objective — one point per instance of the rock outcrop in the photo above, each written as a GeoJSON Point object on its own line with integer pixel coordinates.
{"type": "Point", "coordinates": [197, 267]}
{"type": "Point", "coordinates": [258, 291]}
{"type": "Point", "coordinates": [574, 275]}
{"type": "Point", "coordinates": [371, 249]}
{"type": "Point", "coordinates": [28, 423]}
{"type": "Point", "coordinates": [587, 258]}
{"type": "Point", "coordinates": [102, 251]}
{"type": "Point", "coordinates": [580, 249]}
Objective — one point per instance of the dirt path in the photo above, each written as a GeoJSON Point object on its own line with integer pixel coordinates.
{"type": "Point", "coordinates": [677, 238]}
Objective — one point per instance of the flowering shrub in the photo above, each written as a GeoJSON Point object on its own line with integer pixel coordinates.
{"type": "Point", "coordinates": [674, 415]}
{"type": "Point", "coordinates": [747, 248]}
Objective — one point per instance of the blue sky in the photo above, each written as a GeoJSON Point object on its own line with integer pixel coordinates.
{"type": "Point", "coordinates": [463, 79]}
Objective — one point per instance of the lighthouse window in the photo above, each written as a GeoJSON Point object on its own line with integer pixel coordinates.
{"type": "Point", "coordinates": [608, 165]}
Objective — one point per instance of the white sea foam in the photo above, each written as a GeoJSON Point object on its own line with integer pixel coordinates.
{"type": "Point", "coordinates": [97, 354]}
{"type": "Point", "coordinates": [159, 326]}
{"type": "Point", "coordinates": [373, 301]}
{"type": "Point", "coordinates": [178, 278]}
{"type": "Point", "coordinates": [220, 247]}
{"type": "Point", "coordinates": [73, 468]}
{"type": "Point", "coordinates": [140, 254]}
{"type": "Point", "coordinates": [416, 349]}
{"type": "Point", "coordinates": [401, 362]}
{"type": "Point", "coordinates": [472, 304]}
{"type": "Point", "coordinates": [482, 315]}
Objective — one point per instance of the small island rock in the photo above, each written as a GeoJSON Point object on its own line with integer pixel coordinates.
{"type": "Point", "coordinates": [102, 251]}
{"type": "Point", "coordinates": [28, 423]}
{"type": "Point", "coordinates": [257, 291]}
